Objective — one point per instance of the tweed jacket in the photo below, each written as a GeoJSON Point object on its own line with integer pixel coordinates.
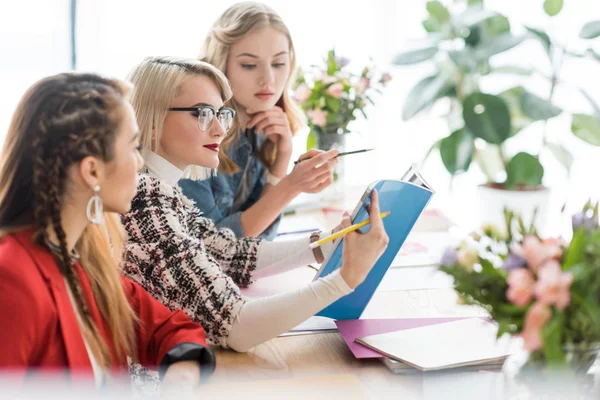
{"type": "Point", "coordinates": [183, 260]}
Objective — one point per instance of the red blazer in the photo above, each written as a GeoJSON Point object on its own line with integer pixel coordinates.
{"type": "Point", "coordinates": [39, 327]}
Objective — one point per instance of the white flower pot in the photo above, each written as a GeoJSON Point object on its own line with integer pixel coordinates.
{"type": "Point", "coordinates": [492, 202]}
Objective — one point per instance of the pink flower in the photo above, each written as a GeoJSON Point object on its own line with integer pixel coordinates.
{"type": "Point", "coordinates": [535, 319]}
{"type": "Point", "coordinates": [557, 242]}
{"type": "Point", "coordinates": [362, 84]}
{"type": "Point", "coordinates": [318, 117]}
{"type": "Point", "coordinates": [336, 90]}
{"type": "Point", "coordinates": [385, 78]}
{"type": "Point", "coordinates": [536, 252]}
{"type": "Point", "coordinates": [302, 93]}
{"type": "Point", "coordinates": [520, 286]}
{"type": "Point", "coordinates": [327, 79]}
{"type": "Point", "coordinates": [553, 285]}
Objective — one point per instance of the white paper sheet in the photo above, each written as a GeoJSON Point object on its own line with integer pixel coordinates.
{"type": "Point", "coordinates": [447, 345]}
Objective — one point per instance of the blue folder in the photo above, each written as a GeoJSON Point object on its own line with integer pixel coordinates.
{"type": "Point", "coordinates": [406, 200]}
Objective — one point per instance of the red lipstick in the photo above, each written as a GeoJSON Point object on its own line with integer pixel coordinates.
{"type": "Point", "coordinates": [264, 94]}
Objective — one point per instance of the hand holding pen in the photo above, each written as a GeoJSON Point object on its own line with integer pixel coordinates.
{"type": "Point", "coordinates": [339, 155]}
{"type": "Point", "coordinates": [316, 173]}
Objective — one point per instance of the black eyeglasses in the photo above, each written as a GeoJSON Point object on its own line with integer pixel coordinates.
{"type": "Point", "coordinates": [206, 115]}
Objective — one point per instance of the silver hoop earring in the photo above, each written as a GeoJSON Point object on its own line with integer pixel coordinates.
{"type": "Point", "coordinates": [96, 203]}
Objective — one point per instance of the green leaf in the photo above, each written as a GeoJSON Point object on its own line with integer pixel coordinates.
{"type": "Point", "coordinates": [591, 101]}
{"type": "Point", "coordinates": [438, 11]}
{"type": "Point", "coordinates": [311, 140]}
{"type": "Point", "coordinates": [591, 308]}
{"type": "Point", "coordinates": [333, 104]}
{"type": "Point", "coordinates": [510, 309]}
{"type": "Point", "coordinates": [490, 162]}
{"type": "Point", "coordinates": [518, 119]}
{"type": "Point", "coordinates": [415, 56]}
{"type": "Point", "coordinates": [473, 37]}
{"type": "Point", "coordinates": [586, 128]}
{"type": "Point", "coordinates": [431, 25]}
{"type": "Point", "coordinates": [542, 37]}
{"type": "Point", "coordinates": [424, 94]}
{"type": "Point", "coordinates": [456, 151]}
{"type": "Point", "coordinates": [592, 54]}
{"type": "Point", "coordinates": [463, 59]}
{"type": "Point", "coordinates": [511, 69]}
{"type": "Point", "coordinates": [580, 272]}
{"type": "Point", "coordinates": [331, 64]}
{"type": "Point", "coordinates": [591, 30]}
{"type": "Point", "coordinates": [496, 25]}
{"type": "Point", "coordinates": [524, 169]}
{"type": "Point", "coordinates": [551, 337]}
{"type": "Point", "coordinates": [487, 117]}
{"type": "Point", "coordinates": [498, 44]}
{"type": "Point", "coordinates": [537, 108]}
{"type": "Point", "coordinates": [504, 327]}
{"type": "Point", "coordinates": [474, 15]}
{"type": "Point", "coordinates": [562, 155]}
{"type": "Point", "coordinates": [553, 7]}
{"type": "Point", "coordinates": [474, 2]}
{"type": "Point", "coordinates": [576, 250]}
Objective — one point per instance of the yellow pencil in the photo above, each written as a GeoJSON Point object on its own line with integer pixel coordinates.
{"type": "Point", "coordinates": [344, 232]}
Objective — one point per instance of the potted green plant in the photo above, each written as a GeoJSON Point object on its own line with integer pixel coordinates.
{"type": "Point", "coordinates": [461, 42]}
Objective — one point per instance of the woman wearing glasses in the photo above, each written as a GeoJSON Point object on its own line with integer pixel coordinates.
{"type": "Point", "coordinates": [181, 257]}
{"type": "Point", "coordinates": [253, 47]}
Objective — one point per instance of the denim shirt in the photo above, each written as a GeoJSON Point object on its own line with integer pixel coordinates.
{"type": "Point", "coordinates": [224, 197]}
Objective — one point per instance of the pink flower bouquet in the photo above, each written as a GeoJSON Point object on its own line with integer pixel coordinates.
{"type": "Point", "coordinates": [332, 96]}
{"type": "Point", "coordinates": [544, 289]}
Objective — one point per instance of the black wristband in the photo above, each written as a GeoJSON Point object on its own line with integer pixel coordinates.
{"type": "Point", "coordinates": [189, 351]}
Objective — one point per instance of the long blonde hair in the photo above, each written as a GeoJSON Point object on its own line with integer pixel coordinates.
{"type": "Point", "coordinates": [59, 121]}
{"type": "Point", "coordinates": [157, 82]}
{"type": "Point", "coordinates": [236, 22]}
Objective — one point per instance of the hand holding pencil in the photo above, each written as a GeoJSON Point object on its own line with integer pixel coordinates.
{"type": "Point", "coordinates": [346, 153]}
{"type": "Point", "coordinates": [313, 175]}
{"type": "Point", "coordinates": [362, 250]}
{"type": "Point", "coordinates": [345, 231]}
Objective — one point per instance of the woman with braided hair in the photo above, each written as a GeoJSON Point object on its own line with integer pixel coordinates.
{"type": "Point", "coordinates": [70, 153]}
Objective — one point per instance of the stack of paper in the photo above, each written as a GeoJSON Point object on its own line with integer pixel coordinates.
{"type": "Point", "coordinates": [467, 342]}
{"type": "Point", "coordinates": [398, 367]}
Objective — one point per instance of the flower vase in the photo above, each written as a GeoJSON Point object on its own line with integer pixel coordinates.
{"type": "Point", "coordinates": [493, 199]}
{"type": "Point", "coordinates": [526, 375]}
{"type": "Point", "coordinates": [327, 140]}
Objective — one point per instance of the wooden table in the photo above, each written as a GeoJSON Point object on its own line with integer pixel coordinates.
{"type": "Point", "coordinates": [327, 354]}
{"type": "Point", "coordinates": [322, 366]}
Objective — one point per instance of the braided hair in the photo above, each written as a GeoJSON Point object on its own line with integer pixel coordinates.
{"type": "Point", "coordinates": [60, 121]}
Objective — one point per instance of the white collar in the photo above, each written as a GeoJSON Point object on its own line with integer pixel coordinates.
{"type": "Point", "coordinates": [162, 169]}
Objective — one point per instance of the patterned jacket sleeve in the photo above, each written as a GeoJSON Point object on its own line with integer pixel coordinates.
{"type": "Point", "coordinates": [173, 265]}
{"type": "Point", "coordinates": [237, 257]}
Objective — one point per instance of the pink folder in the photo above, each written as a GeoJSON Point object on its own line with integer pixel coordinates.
{"type": "Point", "coordinates": [356, 328]}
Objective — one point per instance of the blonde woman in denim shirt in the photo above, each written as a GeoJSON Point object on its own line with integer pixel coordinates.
{"type": "Point", "coordinates": [253, 47]}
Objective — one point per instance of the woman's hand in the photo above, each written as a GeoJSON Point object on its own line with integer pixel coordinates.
{"type": "Point", "coordinates": [180, 380]}
{"type": "Point", "coordinates": [362, 250]}
{"type": "Point", "coordinates": [275, 125]}
{"type": "Point", "coordinates": [314, 173]}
